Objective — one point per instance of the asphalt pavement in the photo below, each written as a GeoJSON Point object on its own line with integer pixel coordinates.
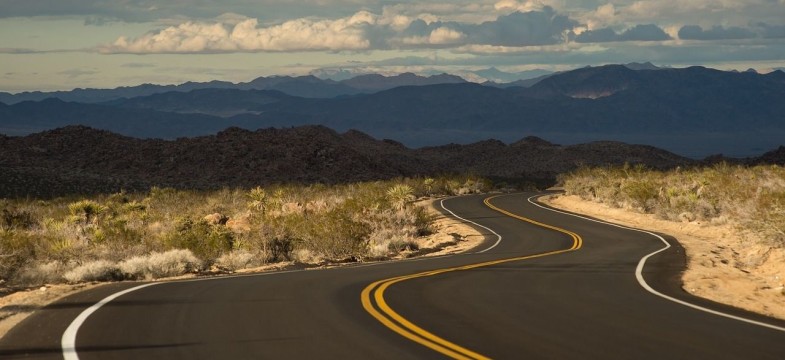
{"type": "Point", "coordinates": [540, 293]}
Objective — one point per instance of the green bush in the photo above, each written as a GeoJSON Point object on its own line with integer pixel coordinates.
{"type": "Point", "coordinates": [205, 241]}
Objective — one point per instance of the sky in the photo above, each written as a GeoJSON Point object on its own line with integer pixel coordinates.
{"type": "Point", "coordinates": [65, 44]}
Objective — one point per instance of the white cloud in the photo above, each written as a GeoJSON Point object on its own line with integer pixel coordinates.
{"type": "Point", "coordinates": [515, 5]}
{"type": "Point", "coordinates": [439, 36]}
{"type": "Point", "coordinates": [603, 16]}
{"type": "Point", "coordinates": [492, 26]}
{"type": "Point", "coordinates": [444, 35]}
{"type": "Point", "coordinates": [294, 35]}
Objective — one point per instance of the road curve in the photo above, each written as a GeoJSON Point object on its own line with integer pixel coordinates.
{"type": "Point", "coordinates": [566, 290]}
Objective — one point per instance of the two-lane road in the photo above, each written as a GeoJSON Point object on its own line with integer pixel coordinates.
{"type": "Point", "coordinates": [559, 288]}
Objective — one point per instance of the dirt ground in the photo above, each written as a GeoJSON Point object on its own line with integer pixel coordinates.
{"type": "Point", "coordinates": [725, 264]}
{"type": "Point", "coordinates": [449, 236]}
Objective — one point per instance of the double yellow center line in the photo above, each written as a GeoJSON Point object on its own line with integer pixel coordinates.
{"type": "Point", "coordinates": [372, 296]}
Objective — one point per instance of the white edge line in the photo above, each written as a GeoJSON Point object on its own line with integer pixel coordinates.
{"type": "Point", "coordinates": [642, 263]}
{"type": "Point", "coordinates": [498, 237]}
{"type": "Point", "coordinates": [68, 341]}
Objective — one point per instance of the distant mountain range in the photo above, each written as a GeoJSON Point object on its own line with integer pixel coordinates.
{"type": "Point", "coordinates": [302, 86]}
{"type": "Point", "coordinates": [692, 111]}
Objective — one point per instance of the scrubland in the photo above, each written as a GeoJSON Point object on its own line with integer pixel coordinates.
{"type": "Point", "coordinates": [167, 232]}
{"type": "Point", "coordinates": [751, 198]}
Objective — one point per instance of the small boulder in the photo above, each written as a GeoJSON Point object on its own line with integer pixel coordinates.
{"type": "Point", "coordinates": [687, 217]}
{"type": "Point", "coordinates": [216, 219]}
{"type": "Point", "coordinates": [240, 224]}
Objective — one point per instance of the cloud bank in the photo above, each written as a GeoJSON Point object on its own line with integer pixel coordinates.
{"type": "Point", "coordinates": [365, 30]}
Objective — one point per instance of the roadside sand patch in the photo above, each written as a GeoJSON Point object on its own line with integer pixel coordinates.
{"type": "Point", "coordinates": [450, 236]}
{"type": "Point", "coordinates": [15, 307]}
{"type": "Point", "coordinates": [724, 264]}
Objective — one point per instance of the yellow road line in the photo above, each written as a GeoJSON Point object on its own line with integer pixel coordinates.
{"type": "Point", "coordinates": [374, 293]}
{"type": "Point", "coordinates": [577, 241]}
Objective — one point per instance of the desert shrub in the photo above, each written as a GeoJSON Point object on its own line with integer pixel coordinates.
{"type": "Point", "coordinates": [99, 270]}
{"type": "Point", "coordinates": [394, 230]}
{"type": "Point", "coordinates": [307, 256]}
{"type": "Point", "coordinates": [641, 193]}
{"type": "Point", "coordinates": [36, 274]}
{"type": "Point", "coordinates": [238, 259]}
{"type": "Point", "coordinates": [17, 250]}
{"type": "Point", "coordinates": [338, 233]}
{"type": "Point", "coordinates": [158, 265]}
{"type": "Point", "coordinates": [17, 219]}
{"type": "Point", "coordinates": [280, 248]}
{"type": "Point", "coordinates": [766, 215]}
{"type": "Point", "coordinates": [205, 241]}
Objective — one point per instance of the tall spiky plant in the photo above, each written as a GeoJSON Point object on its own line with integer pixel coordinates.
{"type": "Point", "coordinates": [258, 199]}
{"type": "Point", "coordinates": [399, 195]}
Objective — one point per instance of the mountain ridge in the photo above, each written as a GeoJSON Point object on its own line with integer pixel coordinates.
{"type": "Point", "coordinates": [694, 111]}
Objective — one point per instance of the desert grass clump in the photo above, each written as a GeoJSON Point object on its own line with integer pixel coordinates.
{"type": "Point", "coordinates": [238, 260]}
{"type": "Point", "coordinates": [36, 274]}
{"type": "Point", "coordinates": [17, 219]}
{"type": "Point", "coordinates": [98, 270]}
{"type": "Point", "coordinates": [158, 265]}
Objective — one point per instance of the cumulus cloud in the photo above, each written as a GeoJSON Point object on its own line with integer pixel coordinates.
{"type": "Point", "coordinates": [439, 36]}
{"type": "Point", "coordinates": [362, 31]}
{"type": "Point", "coordinates": [516, 24]}
{"type": "Point", "coordinates": [515, 5]}
{"type": "Point", "coordinates": [294, 35]}
{"type": "Point", "coordinates": [649, 32]}
{"type": "Point", "coordinates": [544, 27]}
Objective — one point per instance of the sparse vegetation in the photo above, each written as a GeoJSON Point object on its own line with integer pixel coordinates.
{"type": "Point", "coordinates": [751, 197]}
{"type": "Point", "coordinates": [167, 232]}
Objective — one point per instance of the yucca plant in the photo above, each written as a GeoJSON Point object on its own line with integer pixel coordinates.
{"type": "Point", "coordinates": [399, 195]}
{"type": "Point", "coordinates": [258, 199]}
{"type": "Point", "coordinates": [86, 211]}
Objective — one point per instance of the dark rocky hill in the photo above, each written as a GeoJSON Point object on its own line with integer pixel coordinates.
{"type": "Point", "coordinates": [78, 159]}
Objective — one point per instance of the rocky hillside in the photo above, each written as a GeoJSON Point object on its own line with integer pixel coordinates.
{"type": "Point", "coordinates": [78, 159]}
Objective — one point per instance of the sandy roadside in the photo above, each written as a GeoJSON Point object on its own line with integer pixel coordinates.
{"type": "Point", "coordinates": [724, 264]}
{"type": "Point", "coordinates": [449, 236]}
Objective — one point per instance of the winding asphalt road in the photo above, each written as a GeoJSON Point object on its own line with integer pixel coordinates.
{"type": "Point", "coordinates": [544, 285]}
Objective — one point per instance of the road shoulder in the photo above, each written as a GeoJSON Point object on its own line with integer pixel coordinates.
{"type": "Point", "coordinates": [724, 264]}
